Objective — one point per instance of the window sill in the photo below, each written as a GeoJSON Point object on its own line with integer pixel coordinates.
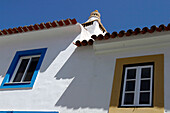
{"type": "Point", "coordinates": [14, 83]}
{"type": "Point", "coordinates": [135, 106]}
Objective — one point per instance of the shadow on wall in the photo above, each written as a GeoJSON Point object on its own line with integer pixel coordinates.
{"type": "Point", "coordinates": [55, 48]}
{"type": "Point", "coordinates": [63, 61]}
{"type": "Point", "coordinates": [86, 89]}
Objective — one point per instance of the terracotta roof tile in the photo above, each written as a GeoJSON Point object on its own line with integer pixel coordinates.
{"type": "Point", "coordinates": [30, 28]}
{"type": "Point", "coordinates": [84, 42]}
{"type": "Point", "coordinates": [66, 22]}
{"type": "Point", "coordinates": [48, 25]}
{"type": "Point", "coordinates": [9, 31]}
{"type": "Point", "coordinates": [25, 29]}
{"type": "Point", "coordinates": [5, 32]}
{"type": "Point", "coordinates": [60, 23]}
{"type": "Point", "coordinates": [20, 29]}
{"type": "Point", "coordinates": [37, 27]}
{"type": "Point", "coordinates": [15, 30]}
{"type": "Point", "coordinates": [73, 21]}
{"type": "Point", "coordinates": [42, 26]}
{"type": "Point", "coordinates": [54, 24]}
{"type": "Point", "coordinates": [122, 33]}
{"type": "Point", "coordinates": [129, 32]}
{"type": "Point", "coordinates": [90, 42]}
{"type": "Point", "coordinates": [107, 36]}
{"type": "Point", "coordinates": [1, 33]}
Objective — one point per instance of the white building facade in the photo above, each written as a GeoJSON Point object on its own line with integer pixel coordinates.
{"type": "Point", "coordinates": [68, 67]}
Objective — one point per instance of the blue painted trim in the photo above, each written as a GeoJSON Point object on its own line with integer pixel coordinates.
{"type": "Point", "coordinates": [29, 112]}
{"type": "Point", "coordinates": [14, 64]}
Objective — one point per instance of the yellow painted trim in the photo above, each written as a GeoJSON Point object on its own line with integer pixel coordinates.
{"type": "Point", "coordinates": [158, 96]}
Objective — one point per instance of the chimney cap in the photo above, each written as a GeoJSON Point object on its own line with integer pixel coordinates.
{"type": "Point", "coordinates": [95, 14]}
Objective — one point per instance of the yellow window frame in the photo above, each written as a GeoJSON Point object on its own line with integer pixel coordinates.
{"type": "Point", "coordinates": [158, 91]}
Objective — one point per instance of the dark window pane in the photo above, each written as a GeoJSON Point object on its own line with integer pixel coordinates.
{"type": "Point", "coordinates": [130, 86]}
{"type": "Point", "coordinates": [145, 85]}
{"type": "Point", "coordinates": [31, 69]}
{"type": "Point", "coordinates": [131, 73]}
{"type": "Point", "coordinates": [21, 70]}
{"type": "Point", "coordinates": [146, 73]}
{"type": "Point", "coordinates": [129, 98]}
{"type": "Point", "coordinates": [144, 98]}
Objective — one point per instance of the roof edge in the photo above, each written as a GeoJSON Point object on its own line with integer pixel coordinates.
{"type": "Point", "coordinates": [123, 34]}
{"type": "Point", "coordinates": [37, 27]}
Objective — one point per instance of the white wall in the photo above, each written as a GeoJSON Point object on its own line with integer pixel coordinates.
{"type": "Point", "coordinates": [71, 79]}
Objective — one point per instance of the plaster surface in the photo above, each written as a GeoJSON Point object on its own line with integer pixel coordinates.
{"type": "Point", "coordinates": [71, 79]}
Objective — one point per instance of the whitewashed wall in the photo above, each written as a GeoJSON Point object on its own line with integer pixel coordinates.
{"type": "Point", "coordinates": [71, 79]}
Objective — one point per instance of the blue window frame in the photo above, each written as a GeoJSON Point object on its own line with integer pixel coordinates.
{"type": "Point", "coordinates": [17, 77]}
{"type": "Point", "coordinates": [29, 112]}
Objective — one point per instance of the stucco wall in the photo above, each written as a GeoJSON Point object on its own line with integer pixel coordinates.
{"type": "Point", "coordinates": [71, 79]}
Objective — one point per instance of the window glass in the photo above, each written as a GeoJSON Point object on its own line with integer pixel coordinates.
{"type": "Point", "coordinates": [131, 73]}
{"type": "Point", "coordinates": [31, 69]}
{"type": "Point", "coordinates": [25, 68]}
{"type": "Point", "coordinates": [144, 98]}
{"type": "Point", "coordinates": [21, 70]}
{"type": "Point", "coordinates": [129, 98]}
{"type": "Point", "coordinates": [130, 86]}
{"type": "Point", "coordinates": [146, 73]}
{"type": "Point", "coordinates": [145, 85]}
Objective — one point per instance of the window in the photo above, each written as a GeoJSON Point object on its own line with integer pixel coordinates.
{"type": "Point", "coordinates": [23, 69]}
{"type": "Point", "coordinates": [137, 86]}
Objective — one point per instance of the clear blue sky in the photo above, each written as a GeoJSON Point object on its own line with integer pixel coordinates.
{"type": "Point", "coordinates": [116, 15]}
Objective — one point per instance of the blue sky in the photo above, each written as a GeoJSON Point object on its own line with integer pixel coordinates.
{"type": "Point", "coordinates": [116, 15]}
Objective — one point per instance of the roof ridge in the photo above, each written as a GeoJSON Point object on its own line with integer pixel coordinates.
{"type": "Point", "coordinates": [37, 27]}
